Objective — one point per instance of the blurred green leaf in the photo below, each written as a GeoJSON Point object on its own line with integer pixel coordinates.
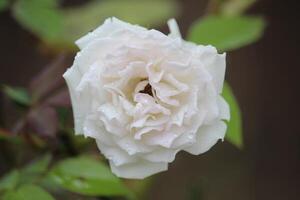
{"type": "Point", "coordinates": [87, 176]}
{"type": "Point", "coordinates": [10, 180]}
{"type": "Point", "coordinates": [234, 126]}
{"type": "Point", "coordinates": [227, 33]}
{"type": "Point", "coordinates": [28, 192]}
{"type": "Point", "coordinates": [41, 17]}
{"type": "Point", "coordinates": [235, 7]}
{"type": "Point", "coordinates": [27, 175]}
{"type": "Point", "coordinates": [79, 21]}
{"type": "Point", "coordinates": [38, 166]}
{"type": "Point", "coordinates": [17, 94]}
{"type": "Point", "coordinates": [35, 169]}
{"type": "Point", "coordinates": [3, 4]}
{"type": "Point", "coordinates": [61, 27]}
{"type": "Point", "coordinates": [9, 195]}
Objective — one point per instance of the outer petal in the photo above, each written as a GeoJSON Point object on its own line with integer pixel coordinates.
{"type": "Point", "coordinates": [96, 51]}
{"type": "Point", "coordinates": [115, 155]}
{"type": "Point", "coordinates": [110, 26]}
{"type": "Point", "coordinates": [174, 29]}
{"type": "Point", "coordinates": [81, 89]}
{"type": "Point", "coordinates": [138, 170]}
{"type": "Point", "coordinates": [217, 70]}
{"type": "Point", "coordinates": [214, 63]}
{"type": "Point", "coordinates": [72, 77]}
{"type": "Point", "coordinates": [207, 136]}
{"type": "Point", "coordinates": [162, 155]}
{"type": "Point", "coordinates": [224, 108]}
{"type": "Point", "coordinates": [95, 129]}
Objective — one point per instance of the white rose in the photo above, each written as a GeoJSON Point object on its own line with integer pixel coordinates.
{"type": "Point", "coordinates": [144, 96]}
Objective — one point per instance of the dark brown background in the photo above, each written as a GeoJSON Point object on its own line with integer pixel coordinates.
{"type": "Point", "coordinates": [265, 78]}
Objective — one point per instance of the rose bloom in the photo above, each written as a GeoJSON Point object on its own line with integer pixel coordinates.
{"type": "Point", "coordinates": [144, 96]}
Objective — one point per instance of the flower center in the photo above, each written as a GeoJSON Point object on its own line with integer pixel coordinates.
{"type": "Point", "coordinates": [147, 90]}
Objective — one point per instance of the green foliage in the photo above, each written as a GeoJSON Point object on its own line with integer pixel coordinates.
{"type": "Point", "coordinates": [18, 184]}
{"type": "Point", "coordinates": [39, 166]}
{"type": "Point", "coordinates": [234, 129]}
{"type": "Point", "coordinates": [17, 94]}
{"type": "Point", "coordinates": [3, 4]}
{"type": "Point", "coordinates": [61, 27]}
{"type": "Point", "coordinates": [10, 180]}
{"type": "Point", "coordinates": [79, 21]}
{"type": "Point", "coordinates": [81, 175]}
{"type": "Point", "coordinates": [27, 175]}
{"type": "Point", "coordinates": [41, 17]}
{"type": "Point", "coordinates": [227, 33]}
{"type": "Point", "coordinates": [31, 172]}
{"type": "Point", "coordinates": [28, 192]}
{"type": "Point", "coordinates": [87, 176]}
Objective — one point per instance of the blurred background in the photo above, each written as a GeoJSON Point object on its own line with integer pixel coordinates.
{"type": "Point", "coordinates": [263, 77]}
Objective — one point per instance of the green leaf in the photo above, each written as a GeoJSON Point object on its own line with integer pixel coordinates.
{"type": "Point", "coordinates": [41, 17]}
{"type": "Point", "coordinates": [17, 94]}
{"type": "Point", "coordinates": [79, 21]}
{"type": "Point", "coordinates": [87, 176]}
{"type": "Point", "coordinates": [31, 172]}
{"type": "Point", "coordinates": [234, 126]}
{"type": "Point", "coordinates": [3, 4]}
{"type": "Point", "coordinates": [227, 33]}
{"type": "Point", "coordinates": [27, 175]}
{"type": "Point", "coordinates": [235, 7]}
{"type": "Point", "coordinates": [28, 192]}
{"type": "Point", "coordinates": [10, 180]}
{"type": "Point", "coordinates": [9, 195]}
{"type": "Point", "coordinates": [61, 27]}
{"type": "Point", "coordinates": [39, 165]}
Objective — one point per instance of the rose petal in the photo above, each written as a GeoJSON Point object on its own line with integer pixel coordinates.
{"type": "Point", "coordinates": [161, 155]}
{"type": "Point", "coordinates": [139, 169]}
{"type": "Point", "coordinates": [207, 136]}
{"type": "Point", "coordinates": [72, 77]}
{"type": "Point", "coordinates": [224, 108]}
{"type": "Point", "coordinates": [115, 155]}
{"type": "Point", "coordinates": [110, 26]}
{"type": "Point", "coordinates": [214, 63]}
{"type": "Point", "coordinates": [95, 129]}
